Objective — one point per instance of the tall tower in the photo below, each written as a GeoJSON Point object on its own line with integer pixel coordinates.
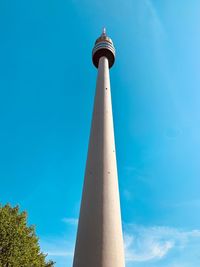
{"type": "Point", "coordinates": [99, 240]}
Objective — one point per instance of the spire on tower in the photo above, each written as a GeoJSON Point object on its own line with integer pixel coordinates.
{"type": "Point", "coordinates": [104, 31]}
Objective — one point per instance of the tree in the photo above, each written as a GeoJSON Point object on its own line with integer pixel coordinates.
{"type": "Point", "coordinates": [19, 245]}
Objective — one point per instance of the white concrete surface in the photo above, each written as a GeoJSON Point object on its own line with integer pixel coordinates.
{"type": "Point", "coordinates": [99, 238]}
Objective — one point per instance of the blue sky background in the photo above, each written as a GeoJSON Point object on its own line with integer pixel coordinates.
{"type": "Point", "coordinates": [47, 85]}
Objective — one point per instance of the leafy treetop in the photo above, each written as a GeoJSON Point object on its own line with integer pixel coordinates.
{"type": "Point", "coordinates": [19, 245]}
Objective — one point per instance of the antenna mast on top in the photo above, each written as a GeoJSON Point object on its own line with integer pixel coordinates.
{"type": "Point", "coordinates": [104, 31]}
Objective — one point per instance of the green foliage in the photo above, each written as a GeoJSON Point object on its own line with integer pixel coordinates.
{"type": "Point", "coordinates": [18, 243]}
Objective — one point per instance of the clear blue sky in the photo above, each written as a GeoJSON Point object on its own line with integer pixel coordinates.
{"type": "Point", "coordinates": [47, 84]}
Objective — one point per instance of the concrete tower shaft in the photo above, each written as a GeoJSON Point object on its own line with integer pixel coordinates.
{"type": "Point", "coordinates": [99, 240]}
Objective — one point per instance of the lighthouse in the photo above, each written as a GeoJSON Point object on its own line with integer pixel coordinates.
{"type": "Point", "coordinates": [99, 241]}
